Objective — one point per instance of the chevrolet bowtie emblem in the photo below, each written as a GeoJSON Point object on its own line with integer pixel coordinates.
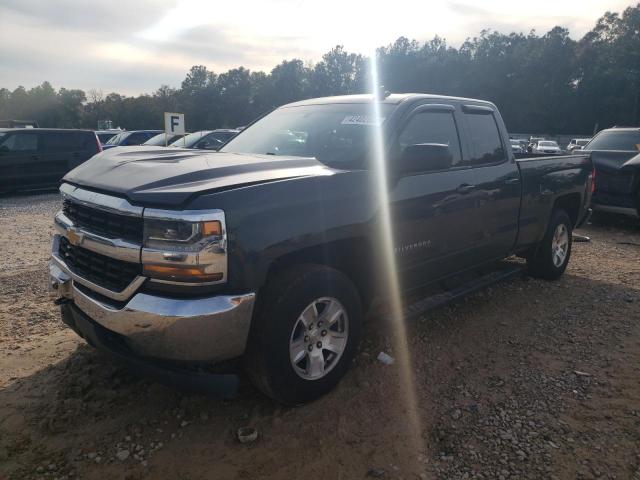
{"type": "Point", "coordinates": [75, 238]}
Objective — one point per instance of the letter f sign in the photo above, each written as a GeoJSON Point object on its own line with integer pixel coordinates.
{"type": "Point", "coordinates": [173, 123]}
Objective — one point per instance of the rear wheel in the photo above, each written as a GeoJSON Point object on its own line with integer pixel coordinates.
{"type": "Point", "coordinates": [549, 260]}
{"type": "Point", "coordinates": [305, 334]}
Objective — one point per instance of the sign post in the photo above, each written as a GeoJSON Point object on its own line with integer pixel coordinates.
{"type": "Point", "coordinates": [173, 125]}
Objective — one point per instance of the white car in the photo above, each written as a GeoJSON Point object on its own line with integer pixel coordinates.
{"type": "Point", "coordinates": [547, 146]}
{"type": "Point", "coordinates": [516, 146]}
{"type": "Point", "coordinates": [577, 144]}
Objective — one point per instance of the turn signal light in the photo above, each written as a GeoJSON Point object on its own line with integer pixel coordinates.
{"type": "Point", "coordinates": [213, 227]}
{"type": "Point", "coordinates": [181, 274]}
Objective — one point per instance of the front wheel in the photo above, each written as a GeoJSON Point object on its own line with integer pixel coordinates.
{"type": "Point", "coordinates": [305, 334]}
{"type": "Point", "coordinates": [549, 260]}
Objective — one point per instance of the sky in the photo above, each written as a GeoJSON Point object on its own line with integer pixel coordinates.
{"type": "Point", "coordinates": [135, 46]}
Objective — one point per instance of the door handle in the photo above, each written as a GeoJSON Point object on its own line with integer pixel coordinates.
{"type": "Point", "coordinates": [512, 181]}
{"type": "Point", "coordinates": [465, 188]}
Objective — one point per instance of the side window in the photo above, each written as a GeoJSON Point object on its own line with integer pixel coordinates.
{"type": "Point", "coordinates": [212, 142]}
{"type": "Point", "coordinates": [486, 145]}
{"type": "Point", "coordinates": [19, 142]}
{"type": "Point", "coordinates": [61, 141]}
{"type": "Point", "coordinates": [431, 127]}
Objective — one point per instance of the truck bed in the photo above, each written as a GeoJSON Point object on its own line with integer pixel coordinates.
{"type": "Point", "coordinates": [544, 178]}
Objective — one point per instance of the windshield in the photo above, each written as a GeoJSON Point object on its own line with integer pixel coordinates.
{"type": "Point", "coordinates": [335, 134]}
{"type": "Point", "coordinates": [627, 140]}
{"type": "Point", "coordinates": [159, 140]}
{"type": "Point", "coordinates": [103, 137]}
{"type": "Point", "coordinates": [582, 142]}
{"type": "Point", "coordinates": [190, 140]}
{"type": "Point", "coordinates": [548, 144]}
{"type": "Point", "coordinates": [115, 140]}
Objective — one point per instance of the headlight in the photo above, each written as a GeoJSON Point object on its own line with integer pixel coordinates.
{"type": "Point", "coordinates": [179, 235]}
{"type": "Point", "coordinates": [185, 247]}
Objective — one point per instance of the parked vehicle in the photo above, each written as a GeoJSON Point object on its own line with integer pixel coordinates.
{"type": "Point", "coordinates": [546, 146]}
{"type": "Point", "coordinates": [105, 135]}
{"type": "Point", "coordinates": [270, 248]}
{"type": "Point", "coordinates": [577, 144]}
{"type": "Point", "coordinates": [162, 139]}
{"type": "Point", "coordinates": [18, 124]}
{"type": "Point", "coordinates": [32, 158]}
{"type": "Point", "coordinates": [133, 137]}
{"type": "Point", "coordinates": [532, 143]}
{"type": "Point", "coordinates": [516, 146]}
{"type": "Point", "coordinates": [207, 139]}
{"type": "Point", "coordinates": [616, 157]}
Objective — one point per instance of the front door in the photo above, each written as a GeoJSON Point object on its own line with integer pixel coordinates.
{"type": "Point", "coordinates": [432, 213]}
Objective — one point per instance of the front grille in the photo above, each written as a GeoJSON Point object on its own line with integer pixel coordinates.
{"type": "Point", "coordinates": [101, 222]}
{"type": "Point", "coordinates": [106, 272]}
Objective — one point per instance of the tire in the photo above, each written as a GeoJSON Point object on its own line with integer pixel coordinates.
{"type": "Point", "coordinates": [280, 332]}
{"type": "Point", "coordinates": [546, 261]}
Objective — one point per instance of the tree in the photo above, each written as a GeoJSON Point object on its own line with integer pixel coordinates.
{"type": "Point", "coordinates": [542, 83]}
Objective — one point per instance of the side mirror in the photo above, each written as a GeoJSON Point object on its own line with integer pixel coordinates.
{"type": "Point", "coordinates": [424, 157]}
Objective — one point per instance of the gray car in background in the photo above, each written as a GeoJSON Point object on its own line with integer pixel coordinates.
{"type": "Point", "coordinates": [207, 139]}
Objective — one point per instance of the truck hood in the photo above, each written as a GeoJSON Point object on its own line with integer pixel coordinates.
{"type": "Point", "coordinates": [169, 177]}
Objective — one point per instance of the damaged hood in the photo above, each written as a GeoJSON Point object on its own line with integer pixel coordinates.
{"type": "Point", "coordinates": [170, 176]}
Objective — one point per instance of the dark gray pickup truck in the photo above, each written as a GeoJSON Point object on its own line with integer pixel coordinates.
{"type": "Point", "coordinates": [270, 249]}
{"type": "Point", "coordinates": [616, 157]}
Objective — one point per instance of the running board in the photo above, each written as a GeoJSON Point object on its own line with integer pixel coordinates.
{"type": "Point", "coordinates": [424, 305]}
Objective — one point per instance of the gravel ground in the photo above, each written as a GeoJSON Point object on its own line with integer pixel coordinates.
{"type": "Point", "coordinates": [526, 379]}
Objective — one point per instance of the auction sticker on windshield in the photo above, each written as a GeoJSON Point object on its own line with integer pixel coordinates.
{"type": "Point", "coordinates": [362, 120]}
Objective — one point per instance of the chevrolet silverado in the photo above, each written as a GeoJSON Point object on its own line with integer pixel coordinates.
{"type": "Point", "coordinates": [270, 249]}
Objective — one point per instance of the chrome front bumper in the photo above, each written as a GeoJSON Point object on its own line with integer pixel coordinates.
{"type": "Point", "coordinates": [208, 329]}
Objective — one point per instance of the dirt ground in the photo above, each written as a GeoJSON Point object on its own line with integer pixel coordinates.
{"type": "Point", "coordinates": [525, 379]}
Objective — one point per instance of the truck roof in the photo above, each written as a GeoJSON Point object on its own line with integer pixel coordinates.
{"type": "Point", "coordinates": [622, 129]}
{"type": "Point", "coordinates": [394, 98]}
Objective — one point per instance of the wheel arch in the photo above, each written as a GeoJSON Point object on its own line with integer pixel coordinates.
{"type": "Point", "coordinates": [570, 203]}
{"type": "Point", "coordinates": [352, 257]}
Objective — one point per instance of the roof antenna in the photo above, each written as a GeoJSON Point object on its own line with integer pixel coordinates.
{"type": "Point", "coordinates": [381, 93]}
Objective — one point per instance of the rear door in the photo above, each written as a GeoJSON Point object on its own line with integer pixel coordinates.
{"type": "Point", "coordinates": [497, 182]}
{"type": "Point", "coordinates": [433, 214]}
{"type": "Point", "coordinates": [19, 158]}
